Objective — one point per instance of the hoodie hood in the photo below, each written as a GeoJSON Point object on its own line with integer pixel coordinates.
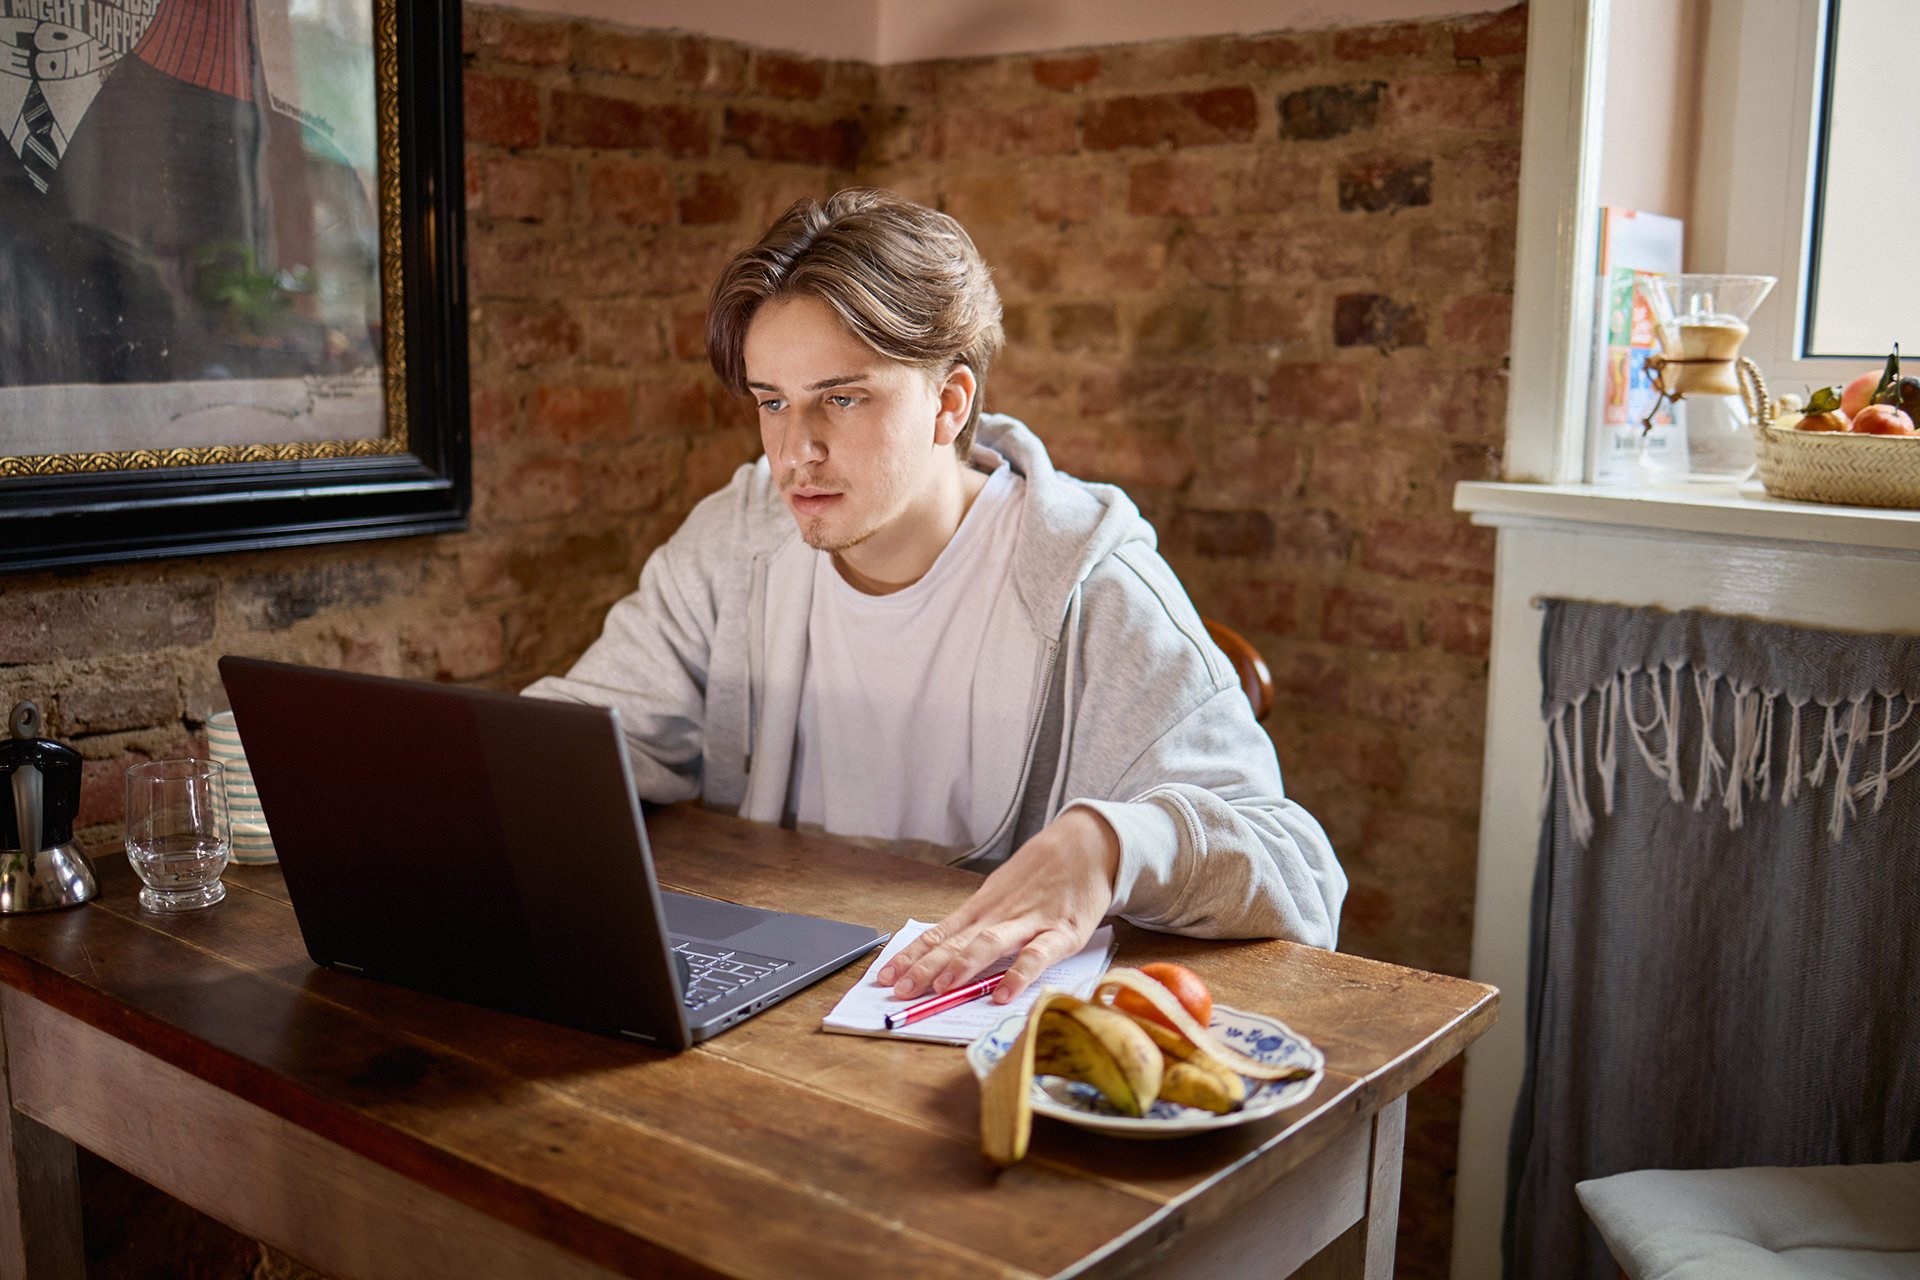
{"type": "Point", "coordinates": [1071, 526]}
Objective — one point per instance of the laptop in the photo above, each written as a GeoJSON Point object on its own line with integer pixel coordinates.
{"type": "Point", "coordinates": [490, 848]}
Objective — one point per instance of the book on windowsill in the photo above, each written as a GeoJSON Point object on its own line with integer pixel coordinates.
{"type": "Point", "coordinates": [1633, 244]}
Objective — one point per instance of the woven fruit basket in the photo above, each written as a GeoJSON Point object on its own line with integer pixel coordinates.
{"type": "Point", "coordinates": [1829, 466]}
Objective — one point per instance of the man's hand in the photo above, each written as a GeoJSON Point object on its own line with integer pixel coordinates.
{"type": "Point", "coordinates": [1045, 901]}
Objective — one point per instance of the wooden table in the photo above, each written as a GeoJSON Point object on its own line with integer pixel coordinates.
{"type": "Point", "coordinates": [374, 1132]}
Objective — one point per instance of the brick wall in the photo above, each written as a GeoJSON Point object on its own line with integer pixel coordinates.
{"type": "Point", "coordinates": [1263, 283]}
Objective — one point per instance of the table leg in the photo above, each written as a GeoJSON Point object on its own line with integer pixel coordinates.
{"type": "Point", "coordinates": [1365, 1250]}
{"type": "Point", "coordinates": [39, 1197]}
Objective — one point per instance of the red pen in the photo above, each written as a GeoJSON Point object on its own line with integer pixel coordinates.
{"type": "Point", "coordinates": [941, 1003]}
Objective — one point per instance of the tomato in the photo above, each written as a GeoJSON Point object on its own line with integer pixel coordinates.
{"type": "Point", "coordinates": [1185, 985]}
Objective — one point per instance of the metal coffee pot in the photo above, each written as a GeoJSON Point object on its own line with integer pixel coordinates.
{"type": "Point", "coordinates": [41, 867]}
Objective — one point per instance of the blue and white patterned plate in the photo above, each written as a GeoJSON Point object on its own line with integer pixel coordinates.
{"type": "Point", "coordinates": [1256, 1035]}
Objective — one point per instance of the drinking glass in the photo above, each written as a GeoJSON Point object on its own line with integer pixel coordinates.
{"type": "Point", "coordinates": [178, 836]}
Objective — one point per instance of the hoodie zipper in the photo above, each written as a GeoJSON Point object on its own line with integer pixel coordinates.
{"type": "Point", "coordinates": [1026, 761]}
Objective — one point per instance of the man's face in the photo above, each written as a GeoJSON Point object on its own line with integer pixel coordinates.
{"type": "Point", "coordinates": [857, 441]}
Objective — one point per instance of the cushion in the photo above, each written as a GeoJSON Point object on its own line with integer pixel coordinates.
{"type": "Point", "coordinates": [1850, 1222]}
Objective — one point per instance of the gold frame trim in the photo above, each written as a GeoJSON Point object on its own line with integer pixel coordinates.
{"type": "Point", "coordinates": [386, 74]}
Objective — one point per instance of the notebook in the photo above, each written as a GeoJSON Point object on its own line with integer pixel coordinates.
{"type": "Point", "coordinates": [490, 848]}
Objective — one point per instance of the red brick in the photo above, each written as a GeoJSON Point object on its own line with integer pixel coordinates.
{"type": "Point", "coordinates": [787, 77]}
{"type": "Point", "coordinates": [1449, 551]}
{"type": "Point", "coordinates": [1218, 398]}
{"type": "Point", "coordinates": [457, 648]}
{"type": "Point", "coordinates": [534, 489]}
{"type": "Point", "coordinates": [1083, 326]}
{"type": "Point", "coordinates": [1278, 183]}
{"type": "Point", "coordinates": [689, 330]}
{"type": "Point", "coordinates": [635, 195]}
{"type": "Point", "coordinates": [625, 481]}
{"type": "Point", "coordinates": [674, 407]}
{"type": "Point", "coordinates": [711, 66]}
{"type": "Point", "coordinates": [1458, 626]}
{"type": "Point", "coordinates": [1481, 324]}
{"type": "Point", "coordinates": [524, 335]}
{"type": "Point", "coordinates": [1364, 619]}
{"type": "Point", "coordinates": [1170, 187]}
{"type": "Point", "coordinates": [1472, 99]}
{"type": "Point", "coordinates": [646, 55]}
{"type": "Point", "coordinates": [527, 188]}
{"type": "Point", "coordinates": [103, 789]}
{"type": "Point", "coordinates": [620, 124]}
{"type": "Point", "coordinates": [620, 333]}
{"type": "Point", "coordinates": [1487, 173]}
{"type": "Point", "coordinates": [1177, 326]}
{"type": "Point", "coordinates": [1086, 267]}
{"type": "Point", "coordinates": [493, 415]}
{"type": "Point", "coordinates": [965, 133]}
{"type": "Point", "coordinates": [1447, 777]}
{"type": "Point", "coordinates": [1272, 321]}
{"type": "Point", "coordinates": [1376, 320]}
{"type": "Point", "coordinates": [712, 460]}
{"type": "Point", "coordinates": [1382, 184]}
{"type": "Point", "coordinates": [710, 197]}
{"type": "Point", "coordinates": [573, 415]}
{"type": "Point", "coordinates": [86, 621]}
{"type": "Point", "coordinates": [1068, 71]}
{"type": "Point", "coordinates": [116, 696]}
{"type": "Point", "coordinates": [1255, 605]}
{"type": "Point", "coordinates": [1447, 252]}
{"type": "Point", "coordinates": [1360, 756]}
{"type": "Point", "coordinates": [978, 200]}
{"type": "Point", "coordinates": [1270, 52]}
{"type": "Point", "coordinates": [787, 140]}
{"type": "Point", "coordinates": [1235, 257]}
{"type": "Point", "coordinates": [1133, 459]}
{"type": "Point", "coordinates": [1221, 535]}
{"type": "Point", "coordinates": [1463, 404]}
{"type": "Point", "coordinates": [1066, 197]}
{"type": "Point", "coordinates": [1446, 698]}
{"type": "Point", "coordinates": [475, 191]}
{"type": "Point", "coordinates": [501, 111]}
{"type": "Point", "coordinates": [529, 41]}
{"type": "Point", "coordinates": [1204, 118]}
{"type": "Point", "coordinates": [1316, 395]}
{"type": "Point", "coordinates": [1324, 111]}
{"type": "Point", "coordinates": [1160, 63]}
{"type": "Point", "coordinates": [1385, 40]}
{"type": "Point", "coordinates": [1501, 35]}
{"type": "Point", "coordinates": [1310, 678]}
{"type": "Point", "coordinates": [1258, 468]}
{"type": "Point", "coordinates": [677, 266]}
{"type": "Point", "coordinates": [1313, 540]}
{"type": "Point", "coordinates": [1364, 475]}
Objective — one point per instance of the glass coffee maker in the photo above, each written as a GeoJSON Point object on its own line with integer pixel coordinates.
{"type": "Point", "coordinates": [1702, 320]}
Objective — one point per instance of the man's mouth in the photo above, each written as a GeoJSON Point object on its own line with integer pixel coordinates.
{"type": "Point", "coordinates": [806, 500]}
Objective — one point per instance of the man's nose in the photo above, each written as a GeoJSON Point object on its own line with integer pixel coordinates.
{"type": "Point", "coordinates": [800, 443]}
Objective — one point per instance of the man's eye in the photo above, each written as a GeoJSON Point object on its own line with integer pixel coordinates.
{"type": "Point", "coordinates": [773, 404]}
{"type": "Point", "coordinates": [841, 401]}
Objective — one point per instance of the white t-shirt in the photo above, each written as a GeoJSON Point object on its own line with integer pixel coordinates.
{"type": "Point", "coordinates": [893, 711]}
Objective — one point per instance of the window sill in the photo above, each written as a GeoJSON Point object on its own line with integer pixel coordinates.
{"type": "Point", "coordinates": [1744, 514]}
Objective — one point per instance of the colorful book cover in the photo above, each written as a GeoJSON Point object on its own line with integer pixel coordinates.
{"type": "Point", "coordinates": [1633, 244]}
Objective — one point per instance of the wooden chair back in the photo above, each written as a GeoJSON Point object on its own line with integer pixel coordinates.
{"type": "Point", "coordinates": [1255, 679]}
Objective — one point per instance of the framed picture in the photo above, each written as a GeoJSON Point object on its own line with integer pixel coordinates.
{"type": "Point", "coordinates": [232, 280]}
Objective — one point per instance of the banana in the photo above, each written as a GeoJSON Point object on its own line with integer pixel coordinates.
{"type": "Point", "coordinates": [1200, 1083]}
{"type": "Point", "coordinates": [1103, 1047]}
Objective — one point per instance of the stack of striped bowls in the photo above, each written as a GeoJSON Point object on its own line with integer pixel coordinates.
{"type": "Point", "coordinates": [252, 843]}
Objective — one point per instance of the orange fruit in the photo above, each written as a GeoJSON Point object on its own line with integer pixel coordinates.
{"type": "Point", "coordinates": [1882, 420]}
{"type": "Point", "coordinates": [1185, 985]}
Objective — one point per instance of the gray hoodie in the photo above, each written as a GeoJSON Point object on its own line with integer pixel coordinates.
{"type": "Point", "coordinates": [1131, 709]}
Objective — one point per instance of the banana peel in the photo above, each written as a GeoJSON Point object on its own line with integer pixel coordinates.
{"type": "Point", "coordinates": [1197, 1068]}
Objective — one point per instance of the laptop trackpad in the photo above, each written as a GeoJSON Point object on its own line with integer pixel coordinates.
{"type": "Point", "coordinates": [692, 917]}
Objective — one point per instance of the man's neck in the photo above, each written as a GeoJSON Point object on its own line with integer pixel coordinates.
{"type": "Point", "coordinates": [884, 569]}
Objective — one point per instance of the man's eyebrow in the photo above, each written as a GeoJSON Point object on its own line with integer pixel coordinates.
{"type": "Point", "coordinates": [838, 380]}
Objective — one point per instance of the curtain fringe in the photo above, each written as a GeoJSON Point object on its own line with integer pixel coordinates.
{"type": "Point", "coordinates": [1736, 762]}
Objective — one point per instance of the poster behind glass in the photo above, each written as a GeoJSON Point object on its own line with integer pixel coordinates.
{"type": "Point", "coordinates": [189, 226]}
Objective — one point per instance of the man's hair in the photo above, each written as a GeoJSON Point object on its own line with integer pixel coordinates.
{"type": "Point", "coordinates": [904, 279]}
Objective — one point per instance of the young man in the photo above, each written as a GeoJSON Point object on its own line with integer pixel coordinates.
{"type": "Point", "coordinates": [902, 623]}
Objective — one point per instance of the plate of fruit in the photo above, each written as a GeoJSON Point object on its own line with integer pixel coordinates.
{"type": "Point", "coordinates": [1148, 1056]}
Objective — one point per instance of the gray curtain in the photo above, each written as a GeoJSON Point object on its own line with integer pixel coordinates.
{"type": "Point", "coordinates": [1725, 933]}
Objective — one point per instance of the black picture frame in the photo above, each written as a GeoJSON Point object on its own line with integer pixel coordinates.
{"type": "Point", "coordinates": [69, 510]}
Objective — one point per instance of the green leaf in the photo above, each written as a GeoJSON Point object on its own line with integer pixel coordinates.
{"type": "Point", "coordinates": [1889, 381]}
{"type": "Point", "coordinates": [1825, 400]}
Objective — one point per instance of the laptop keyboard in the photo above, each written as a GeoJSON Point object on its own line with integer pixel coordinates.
{"type": "Point", "coordinates": [720, 971]}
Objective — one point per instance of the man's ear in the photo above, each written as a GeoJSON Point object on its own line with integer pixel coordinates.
{"type": "Point", "coordinates": [957, 391]}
